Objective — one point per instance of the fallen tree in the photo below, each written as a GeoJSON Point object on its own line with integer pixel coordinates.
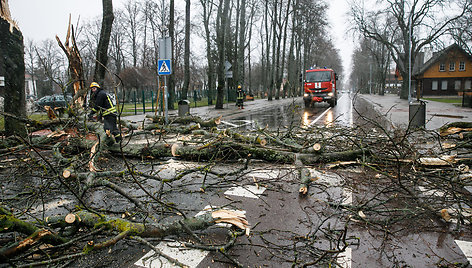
{"type": "Point", "coordinates": [75, 158]}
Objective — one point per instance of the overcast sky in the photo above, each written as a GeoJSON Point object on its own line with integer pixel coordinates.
{"type": "Point", "coordinates": [44, 19]}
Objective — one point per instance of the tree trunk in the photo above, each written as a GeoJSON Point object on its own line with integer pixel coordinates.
{"type": "Point", "coordinates": [186, 84]}
{"type": "Point", "coordinates": [76, 71]}
{"type": "Point", "coordinates": [242, 44]}
{"type": "Point", "coordinates": [171, 86]}
{"type": "Point", "coordinates": [207, 8]}
{"type": "Point", "coordinates": [13, 64]}
{"type": "Point", "coordinates": [221, 33]}
{"type": "Point", "coordinates": [102, 49]}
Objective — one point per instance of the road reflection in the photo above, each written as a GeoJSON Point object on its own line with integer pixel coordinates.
{"type": "Point", "coordinates": [282, 116]}
{"type": "Point", "coordinates": [329, 119]}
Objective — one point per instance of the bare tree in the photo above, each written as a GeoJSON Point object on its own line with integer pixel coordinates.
{"type": "Point", "coordinates": [185, 86]}
{"type": "Point", "coordinates": [462, 31]}
{"type": "Point", "coordinates": [207, 8]}
{"type": "Point", "coordinates": [132, 28]}
{"type": "Point", "coordinates": [221, 25]}
{"type": "Point", "coordinates": [30, 62]}
{"type": "Point", "coordinates": [410, 26]}
{"type": "Point", "coordinates": [171, 87]}
{"type": "Point", "coordinates": [102, 49]}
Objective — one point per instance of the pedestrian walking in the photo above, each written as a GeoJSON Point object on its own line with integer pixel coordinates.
{"type": "Point", "coordinates": [240, 97]}
{"type": "Point", "coordinates": [104, 106]}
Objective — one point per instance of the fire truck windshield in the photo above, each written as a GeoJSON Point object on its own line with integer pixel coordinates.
{"type": "Point", "coordinates": [321, 76]}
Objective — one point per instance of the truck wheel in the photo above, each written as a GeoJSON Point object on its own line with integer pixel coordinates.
{"type": "Point", "coordinates": [332, 103]}
{"type": "Point", "coordinates": [307, 104]}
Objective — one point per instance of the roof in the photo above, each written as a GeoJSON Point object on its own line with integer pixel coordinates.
{"type": "Point", "coordinates": [437, 56]}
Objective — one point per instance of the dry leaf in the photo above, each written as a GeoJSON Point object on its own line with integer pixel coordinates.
{"type": "Point", "coordinates": [445, 215]}
{"type": "Point", "coordinates": [361, 214]}
{"type": "Point", "coordinates": [236, 218]}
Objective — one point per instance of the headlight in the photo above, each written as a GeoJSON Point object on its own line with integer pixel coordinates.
{"type": "Point", "coordinates": [306, 95]}
{"type": "Point", "coordinates": [331, 94]}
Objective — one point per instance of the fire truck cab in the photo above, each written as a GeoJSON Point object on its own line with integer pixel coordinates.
{"type": "Point", "coordinates": [319, 86]}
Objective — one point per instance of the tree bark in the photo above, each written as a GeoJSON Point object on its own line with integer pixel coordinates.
{"type": "Point", "coordinates": [186, 84]}
{"type": "Point", "coordinates": [220, 40]}
{"type": "Point", "coordinates": [171, 87]}
{"type": "Point", "coordinates": [207, 11]}
{"type": "Point", "coordinates": [102, 49]}
{"type": "Point", "coordinates": [242, 43]}
{"type": "Point", "coordinates": [13, 64]}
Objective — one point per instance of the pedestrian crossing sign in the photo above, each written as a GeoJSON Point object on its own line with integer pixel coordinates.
{"type": "Point", "coordinates": [164, 67]}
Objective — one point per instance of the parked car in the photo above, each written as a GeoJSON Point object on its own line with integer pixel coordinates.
{"type": "Point", "coordinates": [53, 101]}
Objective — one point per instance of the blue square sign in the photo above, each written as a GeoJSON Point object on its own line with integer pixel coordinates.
{"type": "Point", "coordinates": [164, 67]}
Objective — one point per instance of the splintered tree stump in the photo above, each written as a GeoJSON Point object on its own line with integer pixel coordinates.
{"type": "Point", "coordinates": [12, 66]}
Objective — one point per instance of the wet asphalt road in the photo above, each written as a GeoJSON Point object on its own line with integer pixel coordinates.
{"type": "Point", "coordinates": [278, 214]}
{"type": "Point", "coordinates": [277, 116]}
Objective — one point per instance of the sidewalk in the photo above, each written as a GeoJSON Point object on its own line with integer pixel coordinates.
{"type": "Point", "coordinates": [229, 111]}
{"type": "Point", "coordinates": [396, 111]}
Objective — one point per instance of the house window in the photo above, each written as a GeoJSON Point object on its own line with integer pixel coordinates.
{"type": "Point", "coordinates": [434, 86]}
{"type": "Point", "coordinates": [461, 66]}
{"type": "Point", "coordinates": [444, 85]}
{"type": "Point", "coordinates": [442, 67]}
{"type": "Point", "coordinates": [457, 85]}
{"type": "Point", "coordinates": [467, 84]}
{"type": "Point", "coordinates": [452, 66]}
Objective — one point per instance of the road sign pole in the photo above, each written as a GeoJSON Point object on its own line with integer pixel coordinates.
{"type": "Point", "coordinates": [166, 110]}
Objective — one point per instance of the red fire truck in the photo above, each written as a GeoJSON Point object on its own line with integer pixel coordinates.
{"type": "Point", "coordinates": [320, 85]}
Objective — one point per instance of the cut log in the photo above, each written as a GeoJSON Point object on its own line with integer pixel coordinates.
{"type": "Point", "coordinates": [305, 179]}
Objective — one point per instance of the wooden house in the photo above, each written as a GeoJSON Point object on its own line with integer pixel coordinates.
{"type": "Point", "coordinates": [448, 72]}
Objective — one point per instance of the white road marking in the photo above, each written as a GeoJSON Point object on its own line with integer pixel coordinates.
{"type": "Point", "coordinates": [347, 197]}
{"type": "Point", "coordinates": [319, 117]}
{"type": "Point", "coordinates": [251, 191]}
{"type": "Point", "coordinates": [345, 258]}
{"type": "Point", "coordinates": [264, 174]}
{"type": "Point", "coordinates": [431, 192]}
{"type": "Point", "coordinates": [466, 248]}
{"type": "Point", "coordinates": [188, 256]}
{"type": "Point", "coordinates": [229, 124]}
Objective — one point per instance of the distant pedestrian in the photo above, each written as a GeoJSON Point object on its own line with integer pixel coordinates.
{"type": "Point", "coordinates": [104, 106]}
{"type": "Point", "coordinates": [240, 94]}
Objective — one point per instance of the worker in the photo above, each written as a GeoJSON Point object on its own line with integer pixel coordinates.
{"type": "Point", "coordinates": [104, 106]}
{"type": "Point", "coordinates": [240, 97]}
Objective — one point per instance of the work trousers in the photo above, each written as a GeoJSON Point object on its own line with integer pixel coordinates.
{"type": "Point", "coordinates": [109, 123]}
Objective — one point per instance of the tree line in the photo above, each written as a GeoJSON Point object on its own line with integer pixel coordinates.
{"type": "Point", "coordinates": [267, 42]}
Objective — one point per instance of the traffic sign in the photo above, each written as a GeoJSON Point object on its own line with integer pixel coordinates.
{"type": "Point", "coordinates": [164, 67]}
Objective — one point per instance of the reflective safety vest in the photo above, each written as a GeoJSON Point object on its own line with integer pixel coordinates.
{"type": "Point", "coordinates": [104, 104]}
{"type": "Point", "coordinates": [111, 110]}
{"type": "Point", "coordinates": [240, 95]}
